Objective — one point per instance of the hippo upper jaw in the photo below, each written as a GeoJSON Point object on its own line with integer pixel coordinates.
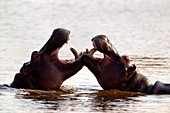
{"type": "Point", "coordinates": [58, 38]}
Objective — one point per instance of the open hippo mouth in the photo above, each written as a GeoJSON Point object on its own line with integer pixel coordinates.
{"type": "Point", "coordinates": [102, 44]}
{"type": "Point", "coordinates": [58, 38]}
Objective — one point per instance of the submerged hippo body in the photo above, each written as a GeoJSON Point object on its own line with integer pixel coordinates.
{"type": "Point", "coordinates": [45, 70]}
{"type": "Point", "coordinates": [116, 72]}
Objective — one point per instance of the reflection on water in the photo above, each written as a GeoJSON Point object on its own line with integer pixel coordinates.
{"type": "Point", "coordinates": [69, 100]}
{"type": "Point", "coordinates": [138, 28]}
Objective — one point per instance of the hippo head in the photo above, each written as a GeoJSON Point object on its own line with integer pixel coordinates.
{"type": "Point", "coordinates": [25, 78]}
{"type": "Point", "coordinates": [102, 43]}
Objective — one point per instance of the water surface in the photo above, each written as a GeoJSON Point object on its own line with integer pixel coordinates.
{"type": "Point", "coordinates": [138, 28]}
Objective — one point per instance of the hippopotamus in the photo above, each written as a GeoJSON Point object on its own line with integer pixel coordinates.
{"type": "Point", "coordinates": [117, 72]}
{"type": "Point", "coordinates": [45, 70]}
{"type": "Point", "coordinates": [109, 71]}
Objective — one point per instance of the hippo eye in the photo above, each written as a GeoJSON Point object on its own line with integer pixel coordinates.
{"type": "Point", "coordinates": [35, 57]}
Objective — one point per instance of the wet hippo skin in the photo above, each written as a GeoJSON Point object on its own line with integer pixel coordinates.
{"type": "Point", "coordinates": [45, 70]}
{"type": "Point", "coordinates": [116, 72]}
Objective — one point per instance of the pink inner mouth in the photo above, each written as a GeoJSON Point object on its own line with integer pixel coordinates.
{"type": "Point", "coordinates": [54, 54]}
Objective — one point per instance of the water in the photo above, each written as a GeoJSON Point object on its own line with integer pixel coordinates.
{"type": "Point", "coordinates": [138, 28]}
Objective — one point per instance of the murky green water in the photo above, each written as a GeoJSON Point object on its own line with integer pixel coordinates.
{"type": "Point", "coordinates": [138, 28]}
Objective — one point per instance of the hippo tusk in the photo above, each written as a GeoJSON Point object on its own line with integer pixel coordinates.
{"type": "Point", "coordinates": [75, 53]}
{"type": "Point", "coordinates": [92, 51]}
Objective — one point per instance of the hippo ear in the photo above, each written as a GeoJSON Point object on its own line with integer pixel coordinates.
{"type": "Point", "coordinates": [35, 57]}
